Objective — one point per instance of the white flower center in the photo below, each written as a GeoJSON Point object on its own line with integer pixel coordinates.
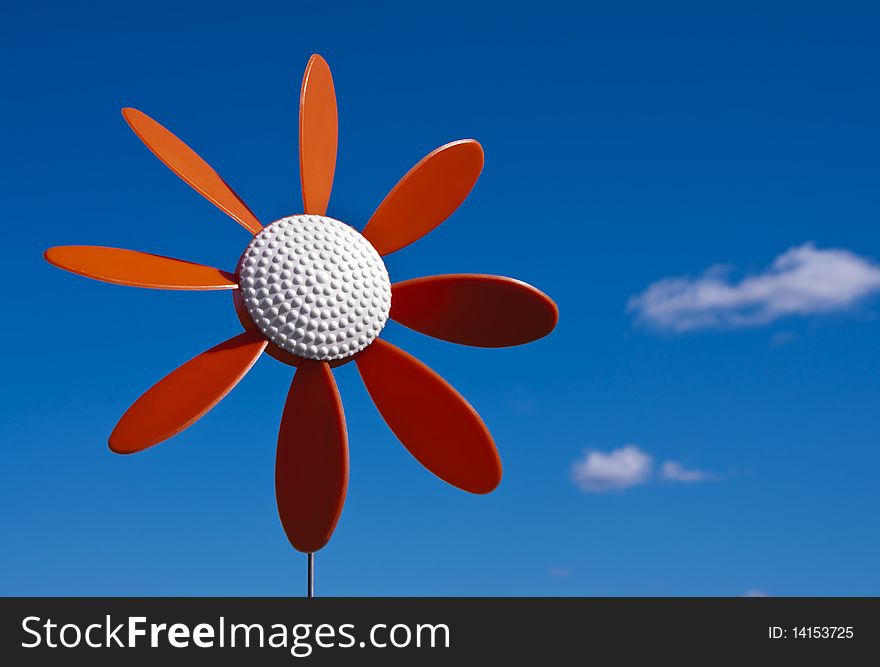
{"type": "Point", "coordinates": [315, 287]}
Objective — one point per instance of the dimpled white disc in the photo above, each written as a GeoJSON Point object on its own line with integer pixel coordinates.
{"type": "Point", "coordinates": [315, 287]}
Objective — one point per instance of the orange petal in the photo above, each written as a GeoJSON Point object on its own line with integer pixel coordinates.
{"type": "Point", "coordinates": [184, 162]}
{"type": "Point", "coordinates": [180, 399]}
{"type": "Point", "coordinates": [318, 130]}
{"type": "Point", "coordinates": [426, 196]}
{"type": "Point", "coordinates": [472, 309]}
{"type": "Point", "coordinates": [311, 465]}
{"type": "Point", "coordinates": [138, 269]}
{"type": "Point", "coordinates": [430, 418]}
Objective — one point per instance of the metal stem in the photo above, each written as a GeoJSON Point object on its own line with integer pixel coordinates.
{"type": "Point", "coordinates": [311, 582]}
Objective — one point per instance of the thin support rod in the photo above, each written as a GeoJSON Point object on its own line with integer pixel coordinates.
{"type": "Point", "coordinates": [311, 582]}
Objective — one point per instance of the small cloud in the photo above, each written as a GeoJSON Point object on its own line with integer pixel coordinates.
{"type": "Point", "coordinates": [675, 472]}
{"type": "Point", "coordinates": [783, 338]}
{"type": "Point", "coordinates": [559, 572]}
{"type": "Point", "coordinates": [618, 469]}
{"type": "Point", "coordinates": [755, 593]}
{"type": "Point", "coordinates": [626, 467]}
{"type": "Point", "coordinates": [804, 280]}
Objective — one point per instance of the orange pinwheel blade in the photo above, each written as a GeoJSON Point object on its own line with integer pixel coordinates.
{"type": "Point", "coordinates": [138, 269]}
{"type": "Point", "coordinates": [184, 162]}
{"type": "Point", "coordinates": [311, 464]}
{"type": "Point", "coordinates": [430, 418]}
{"type": "Point", "coordinates": [318, 135]}
{"type": "Point", "coordinates": [428, 194]}
{"type": "Point", "coordinates": [180, 399]}
{"type": "Point", "coordinates": [471, 309]}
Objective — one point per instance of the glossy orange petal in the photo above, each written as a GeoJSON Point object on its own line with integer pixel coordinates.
{"type": "Point", "coordinates": [318, 135]}
{"type": "Point", "coordinates": [428, 194]}
{"type": "Point", "coordinates": [184, 162]}
{"type": "Point", "coordinates": [180, 399]}
{"type": "Point", "coordinates": [311, 464]}
{"type": "Point", "coordinates": [138, 269]}
{"type": "Point", "coordinates": [430, 418]}
{"type": "Point", "coordinates": [473, 309]}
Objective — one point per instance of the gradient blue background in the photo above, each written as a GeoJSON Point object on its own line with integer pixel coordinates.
{"type": "Point", "coordinates": [619, 150]}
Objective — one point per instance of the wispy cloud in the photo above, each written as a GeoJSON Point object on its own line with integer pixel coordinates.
{"type": "Point", "coordinates": [783, 338]}
{"type": "Point", "coordinates": [755, 593]}
{"type": "Point", "coordinates": [618, 469]}
{"type": "Point", "coordinates": [676, 472]}
{"type": "Point", "coordinates": [559, 572]}
{"type": "Point", "coordinates": [804, 280]}
{"type": "Point", "coordinates": [624, 468]}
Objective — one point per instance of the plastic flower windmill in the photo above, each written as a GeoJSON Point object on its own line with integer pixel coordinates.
{"type": "Point", "coordinates": [314, 293]}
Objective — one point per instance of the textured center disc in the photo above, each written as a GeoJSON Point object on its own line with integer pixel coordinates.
{"type": "Point", "coordinates": [315, 287]}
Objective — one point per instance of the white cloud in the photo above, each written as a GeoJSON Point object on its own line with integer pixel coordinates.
{"type": "Point", "coordinates": [559, 572]}
{"type": "Point", "coordinates": [674, 471]}
{"type": "Point", "coordinates": [804, 280]}
{"type": "Point", "coordinates": [755, 593]}
{"type": "Point", "coordinates": [618, 469]}
{"type": "Point", "coordinates": [624, 468]}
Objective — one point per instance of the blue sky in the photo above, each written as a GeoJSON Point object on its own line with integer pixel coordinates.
{"type": "Point", "coordinates": [621, 151]}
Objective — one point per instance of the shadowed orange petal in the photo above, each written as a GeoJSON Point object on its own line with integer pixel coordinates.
{"type": "Point", "coordinates": [184, 162]}
{"type": "Point", "coordinates": [428, 194]}
{"type": "Point", "coordinates": [138, 269]}
{"type": "Point", "coordinates": [472, 309]}
{"type": "Point", "coordinates": [430, 418]}
{"type": "Point", "coordinates": [181, 398]}
{"type": "Point", "coordinates": [318, 132]}
{"type": "Point", "coordinates": [311, 464]}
